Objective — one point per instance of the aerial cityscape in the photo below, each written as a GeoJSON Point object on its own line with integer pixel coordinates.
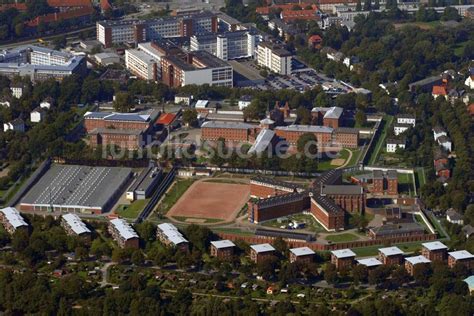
{"type": "Point", "coordinates": [237, 157]}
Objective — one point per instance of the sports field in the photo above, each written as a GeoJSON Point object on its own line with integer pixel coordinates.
{"type": "Point", "coordinates": [210, 200]}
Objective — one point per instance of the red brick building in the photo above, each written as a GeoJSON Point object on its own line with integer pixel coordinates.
{"type": "Point", "coordinates": [222, 249]}
{"type": "Point", "coordinates": [461, 257]}
{"type": "Point", "coordinates": [277, 206]}
{"type": "Point", "coordinates": [385, 183]}
{"type": "Point", "coordinates": [230, 131]}
{"type": "Point", "coordinates": [260, 252]}
{"type": "Point", "coordinates": [302, 254]}
{"type": "Point", "coordinates": [292, 133]}
{"type": "Point", "coordinates": [346, 137]}
{"type": "Point", "coordinates": [123, 233]}
{"type": "Point", "coordinates": [263, 187]}
{"type": "Point", "coordinates": [330, 117]}
{"type": "Point", "coordinates": [434, 251]}
{"type": "Point", "coordinates": [391, 256]}
{"type": "Point", "coordinates": [327, 213]}
{"type": "Point", "coordinates": [411, 262]}
{"type": "Point", "coordinates": [126, 130]}
{"type": "Point", "coordinates": [343, 258]}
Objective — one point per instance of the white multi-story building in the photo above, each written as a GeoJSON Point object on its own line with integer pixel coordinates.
{"type": "Point", "coordinates": [141, 64]}
{"type": "Point", "coordinates": [406, 119]}
{"type": "Point", "coordinates": [37, 115]}
{"type": "Point", "coordinates": [400, 128]}
{"type": "Point", "coordinates": [136, 31]}
{"type": "Point", "coordinates": [274, 57]}
{"type": "Point", "coordinates": [229, 45]}
{"type": "Point", "coordinates": [393, 144]}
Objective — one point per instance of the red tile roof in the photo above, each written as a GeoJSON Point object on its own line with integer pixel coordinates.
{"type": "Point", "coordinates": [105, 5]}
{"type": "Point", "coordinates": [69, 3]}
{"type": "Point", "coordinates": [18, 6]}
{"type": "Point", "coordinates": [439, 90]}
{"type": "Point", "coordinates": [58, 16]}
{"type": "Point", "coordinates": [470, 109]}
{"type": "Point", "coordinates": [293, 15]}
{"type": "Point", "coordinates": [315, 38]}
{"type": "Point", "coordinates": [166, 119]}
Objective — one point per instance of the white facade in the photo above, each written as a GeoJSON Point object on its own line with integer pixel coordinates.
{"type": "Point", "coordinates": [141, 64]}
{"type": "Point", "coordinates": [276, 59]}
{"type": "Point", "coordinates": [17, 92]}
{"type": "Point", "coordinates": [213, 76]}
{"type": "Point", "coordinates": [15, 125]}
{"type": "Point", "coordinates": [231, 45]}
{"type": "Point", "coordinates": [406, 120]}
{"type": "Point", "coordinates": [37, 115]}
{"type": "Point", "coordinates": [445, 143]}
{"type": "Point", "coordinates": [437, 133]}
{"type": "Point", "coordinates": [399, 129]}
{"type": "Point", "coordinates": [393, 145]}
{"type": "Point", "coordinates": [470, 82]}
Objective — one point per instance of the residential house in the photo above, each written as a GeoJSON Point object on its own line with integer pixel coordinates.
{"type": "Point", "coordinates": [369, 263]}
{"type": "Point", "coordinates": [343, 258]}
{"type": "Point", "coordinates": [394, 144]}
{"type": "Point", "coordinates": [301, 254]}
{"type": "Point", "coordinates": [17, 90]}
{"type": "Point", "coordinates": [412, 261]}
{"type": "Point", "coordinates": [468, 231]}
{"type": "Point", "coordinates": [470, 283]}
{"type": "Point", "coordinates": [391, 256]}
{"type": "Point", "coordinates": [434, 251]}
{"type": "Point", "coordinates": [260, 252]}
{"type": "Point", "coordinates": [37, 115]}
{"type": "Point", "coordinates": [445, 142]}
{"type": "Point", "coordinates": [461, 257]}
{"type": "Point", "coordinates": [222, 249]}
{"type": "Point", "coordinates": [438, 131]}
{"type": "Point", "coordinates": [17, 125]}
{"type": "Point", "coordinates": [406, 119]}
{"type": "Point", "coordinates": [470, 79]}
{"type": "Point", "coordinates": [454, 217]}
{"type": "Point", "coordinates": [439, 91]}
{"type": "Point", "coordinates": [400, 128]}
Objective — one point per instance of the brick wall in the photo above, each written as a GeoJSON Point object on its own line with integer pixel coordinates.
{"type": "Point", "coordinates": [332, 221]}
{"type": "Point", "coordinates": [258, 214]}
{"type": "Point", "coordinates": [91, 124]}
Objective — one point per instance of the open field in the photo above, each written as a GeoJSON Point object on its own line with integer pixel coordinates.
{"type": "Point", "coordinates": [373, 250]}
{"type": "Point", "coordinates": [405, 183]}
{"type": "Point", "coordinates": [176, 191]}
{"type": "Point", "coordinates": [131, 210]}
{"type": "Point", "coordinates": [208, 200]}
{"type": "Point", "coordinates": [342, 237]}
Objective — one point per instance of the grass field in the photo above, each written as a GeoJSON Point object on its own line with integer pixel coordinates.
{"type": "Point", "coordinates": [324, 164]}
{"type": "Point", "coordinates": [373, 250]}
{"type": "Point", "coordinates": [342, 237]}
{"type": "Point", "coordinates": [171, 197]}
{"type": "Point", "coordinates": [405, 183]}
{"type": "Point", "coordinates": [132, 210]}
{"type": "Point", "coordinates": [387, 120]}
{"type": "Point", "coordinates": [354, 158]}
{"type": "Point", "coordinates": [310, 223]}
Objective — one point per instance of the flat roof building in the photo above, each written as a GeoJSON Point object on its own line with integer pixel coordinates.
{"type": "Point", "coordinates": [274, 57]}
{"type": "Point", "coordinates": [369, 262]}
{"type": "Point", "coordinates": [77, 189]}
{"type": "Point", "coordinates": [463, 257]}
{"type": "Point", "coordinates": [11, 219]}
{"type": "Point", "coordinates": [434, 251]}
{"type": "Point", "coordinates": [260, 252]}
{"type": "Point", "coordinates": [40, 63]}
{"type": "Point", "coordinates": [391, 255]}
{"type": "Point", "coordinates": [343, 258]}
{"type": "Point", "coordinates": [301, 254]}
{"type": "Point", "coordinates": [412, 261]}
{"type": "Point", "coordinates": [145, 183]}
{"type": "Point", "coordinates": [123, 233]}
{"type": "Point", "coordinates": [222, 249]}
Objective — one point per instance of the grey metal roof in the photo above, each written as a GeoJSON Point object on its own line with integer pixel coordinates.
{"type": "Point", "coordinates": [144, 116]}
{"type": "Point", "coordinates": [77, 186]}
{"type": "Point", "coordinates": [305, 128]}
{"type": "Point", "coordinates": [124, 228]}
{"type": "Point", "coordinates": [172, 233]}
{"type": "Point", "coordinates": [434, 245]}
{"type": "Point", "coordinates": [399, 228]}
{"type": "Point", "coordinates": [369, 262]}
{"type": "Point", "coordinates": [461, 255]}
{"type": "Point", "coordinates": [331, 112]}
{"type": "Point", "coordinates": [343, 253]}
{"type": "Point", "coordinates": [417, 259]}
{"type": "Point", "coordinates": [262, 248]}
{"type": "Point", "coordinates": [302, 251]}
{"type": "Point", "coordinates": [275, 182]}
{"type": "Point", "coordinates": [391, 251]}
{"type": "Point", "coordinates": [13, 217]}
{"type": "Point", "coordinates": [76, 224]}
{"type": "Point", "coordinates": [220, 244]}
{"type": "Point", "coordinates": [327, 204]}
{"type": "Point", "coordinates": [341, 189]}
{"type": "Point", "coordinates": [263, 140]}
{"type": "Point", "coordinates": [224, 124]}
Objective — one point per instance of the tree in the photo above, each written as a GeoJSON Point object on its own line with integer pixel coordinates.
{"type": "Point", "coordinates": [449, 14]}
{"type": "Point", "coordinates": [190, 117]}
{"type": "Point", "coordinates": [330, 273]}
{"type": "Point", "coordinates": [307, 144]}
{"type": "Point", "coordinates": [400, 276]}
{"type": "Point", "coordinates": [303, 116]}
{"type": "Point", "coordinates": [137, 257]}
{"type": "Point", "coordinates": [19, 29]}
{"type": "Point", "coordinates": [367, 5]}
{"type": "Point", "coordinates": [123, 102]}
{"type": "Point", "coordinates": [358, 6]}
{"type": "Point", "coordinates": [359, 274]}
{"type": "Point", "coordinates": [360, 118]}
{"type": "Point", "coordinates": [359, 221]}
{"type": "Point", "coordinates": [421, 274]}
{"type": "Point", "coordinates": [199, 236]}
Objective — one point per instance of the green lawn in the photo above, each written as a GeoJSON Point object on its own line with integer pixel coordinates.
{"type": "Point", "coordinates": [342, 237]}
{"type": "Point", "coordinates": [405, 183]}
{"type": "Point", "coordinates": [387, 120]}
{"type": "Point", "coordinates": [459, 49]}
{"type": "Point", "coordinates": [354, 158]}
{"type": "Point", "coordinates": [310, 223]}
{"type": "Point", "coordinates": [171, 197]}
{"type": "Point", "coordinates": [373, 250]}
{"type": "Point", "coordinates": [420, 221]}
{"type": "Point", "coordinates": [132, 210]}
{"type": "Point", "coordinates": [324, 164]}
